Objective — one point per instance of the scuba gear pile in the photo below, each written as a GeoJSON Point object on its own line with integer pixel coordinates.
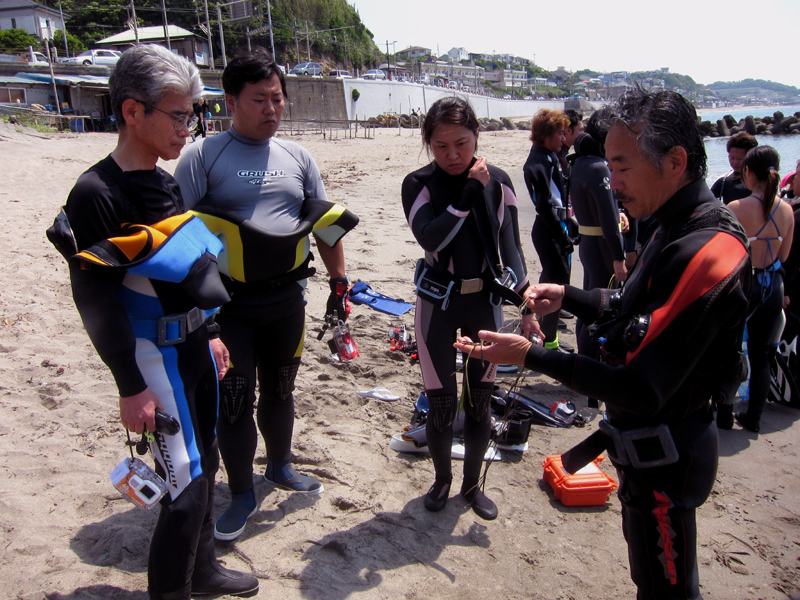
{"type": "Point", "coordinates": [400, 339]}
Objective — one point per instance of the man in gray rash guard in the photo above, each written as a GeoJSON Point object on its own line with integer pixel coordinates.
{"type": "Point", "coordinates": [246, 174]}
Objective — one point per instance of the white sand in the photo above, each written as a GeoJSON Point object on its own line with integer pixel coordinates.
{"type": "Point", "coordinates": [66, 533]}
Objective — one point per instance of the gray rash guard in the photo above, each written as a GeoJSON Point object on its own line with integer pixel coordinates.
{"type": "Point", "coordinates": [264, 182]}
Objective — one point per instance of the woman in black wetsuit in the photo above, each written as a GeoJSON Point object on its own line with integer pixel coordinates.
{"type": "Point", "coordinates": [769, 223]}
{"type": "Point", "coordinates": [547, 188]}
{"type": "Point", "coordinates": [463, 212]}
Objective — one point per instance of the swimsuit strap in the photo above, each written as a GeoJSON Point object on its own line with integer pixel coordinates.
{"type": "Point", "coordinates": [771, 218]}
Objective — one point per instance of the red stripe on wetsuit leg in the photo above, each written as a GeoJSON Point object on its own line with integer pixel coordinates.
{"type": "Point", "coordinates": [666, 533]}
{"type": "Point", "coordinates": [715, 261]}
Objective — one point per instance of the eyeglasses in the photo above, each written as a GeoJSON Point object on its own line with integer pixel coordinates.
{"type": "Point", "coordinates": [181, 121]}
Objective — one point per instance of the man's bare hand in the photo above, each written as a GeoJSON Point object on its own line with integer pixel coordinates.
{"type": "Point", "coordinates": [544, 298]}
{"type": "Point", "coordinates": [505, 348]}
{"type": "Point", "coordinates": [222, 357]}
{"type": "Point", "coordinates": [139, 411]}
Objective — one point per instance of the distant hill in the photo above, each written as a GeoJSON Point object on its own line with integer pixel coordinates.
{"type": "Point", "coordinates": [331, 29]}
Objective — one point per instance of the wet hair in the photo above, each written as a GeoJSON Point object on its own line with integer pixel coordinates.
{"type": "Point", "coordinates": [594, 125]}
{"type": "Point", "coordinates": [251, 67]}
{"type": "Point", "coordinates": [545, 123]}
{"type": "Point", "coordinates": [764, 163]}
{"type": "Point", "coordinates": [147, 73]}
{"type": "Point", "coordinates": [742, 140]}
{"type": "Point", "coordinates": [451, 110]}
{"type": "Point", "coordinates": [574, 117]}
{"type": "Point", "coordinates": [661, 121]}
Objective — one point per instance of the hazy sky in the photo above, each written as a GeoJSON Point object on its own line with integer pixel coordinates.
{"type": "Point", "coordinates": [709, 40]}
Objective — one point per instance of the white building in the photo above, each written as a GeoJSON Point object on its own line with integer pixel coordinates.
{"type": "Point", "coordinates": [413, 52]}
{"type": "Point", "coordinates": [35, 19]}
{"type": "Point", "coordinates": [508, 78]}
{"type": "Point", "coordinates": [458, 54]}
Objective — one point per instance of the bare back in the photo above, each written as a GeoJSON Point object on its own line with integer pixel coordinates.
{"type": "Point", "coordinates": [770, 238]}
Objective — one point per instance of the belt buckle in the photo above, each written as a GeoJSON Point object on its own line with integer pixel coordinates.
{"type": "Point", "coordinates": [163, 322]}
{"type": "Point", "coordinates": [660, 432]}
{"type": "Point", "coordinates": [470, 286]}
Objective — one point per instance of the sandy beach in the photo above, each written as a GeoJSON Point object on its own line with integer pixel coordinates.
{"type": "Point", "coordinates": [67, 534]}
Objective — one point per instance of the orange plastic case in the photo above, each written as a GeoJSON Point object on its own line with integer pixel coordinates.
{"type": "Point", "coordinates": [587, 487]}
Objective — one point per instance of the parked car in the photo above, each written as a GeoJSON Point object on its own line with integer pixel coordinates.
{"type": "Point", "coordinates": [374, 74]}
{"type": "Point", "coordinates": [340, 73]}
{"type": "Point", "coordinates": [306, 68]}
{"type": "Point", "coordinates": [23, 57]}
{"type": "Point", "coordinates": [94, 57]}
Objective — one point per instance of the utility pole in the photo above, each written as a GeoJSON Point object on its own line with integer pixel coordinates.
{"type": "Point", "coordinates": [135, 23]}
{"type": "Point", "coordinates": [208, 32]}
{"type": "Point", "coordinates": [296, 44]}
{"type": "Point", "coordinates": [52, 77]}
{"type": "Point", "coordinates": [166, 25]}
{"type": "Point", "coordinates": [271, 39]}
{"type": "Point", "coordinates": [63, 29]}
{"type": "Point", "coordinates": [221, 37]}
{"type": "Point", "coordinates": [308, 44]}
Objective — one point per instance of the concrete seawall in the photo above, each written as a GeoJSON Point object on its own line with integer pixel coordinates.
{"type": "Point", "coordinates": [380, 97]}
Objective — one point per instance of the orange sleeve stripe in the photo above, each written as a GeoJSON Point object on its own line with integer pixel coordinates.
{"type": "Point", "coordinates": [715, 261]}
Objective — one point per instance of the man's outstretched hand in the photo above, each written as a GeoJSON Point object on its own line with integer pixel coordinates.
{"type": "Point", "coordinates": [505, 348]}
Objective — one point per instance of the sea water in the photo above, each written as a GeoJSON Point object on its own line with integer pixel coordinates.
{"type": "Point", "coordinates": [788, 146]}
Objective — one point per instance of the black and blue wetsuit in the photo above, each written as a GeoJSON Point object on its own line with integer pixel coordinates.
{"type": "Point", "coordinates": [466, 230]}
{"type": "Point", "coordinates": [120, 309]}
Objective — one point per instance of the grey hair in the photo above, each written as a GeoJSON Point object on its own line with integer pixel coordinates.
{"type": "Point", "coordinates": [147, 73]}
{"type": "Point", "coordinates": [661, 121]}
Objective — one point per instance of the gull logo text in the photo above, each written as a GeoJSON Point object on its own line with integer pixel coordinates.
{"type": "Point", "coordinates": [261, 177]}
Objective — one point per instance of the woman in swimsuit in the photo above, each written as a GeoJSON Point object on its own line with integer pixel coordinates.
{"type": "Point", "coordinates": [769, 222]}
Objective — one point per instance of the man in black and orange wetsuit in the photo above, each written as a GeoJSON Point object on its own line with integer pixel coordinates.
{"type": "Point", "coordinates": [665, 339]}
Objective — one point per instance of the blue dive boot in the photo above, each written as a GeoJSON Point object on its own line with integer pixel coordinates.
{"type": "Point", "coordinates": [232, 522]}
{"type": "Point", "coordinates": [284, 476]}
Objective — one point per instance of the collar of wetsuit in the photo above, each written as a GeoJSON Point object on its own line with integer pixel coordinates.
{"type": "Point", "coordinates": [686, 201]}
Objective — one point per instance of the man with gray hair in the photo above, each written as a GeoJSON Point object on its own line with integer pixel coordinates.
{"type": "Point", "coordinates": [666, 339]}
{"type": "Point", "coordinates": [156, 335]}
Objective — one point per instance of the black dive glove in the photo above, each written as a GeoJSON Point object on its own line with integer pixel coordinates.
{"type": "Point", "coordinates": [339, 300]}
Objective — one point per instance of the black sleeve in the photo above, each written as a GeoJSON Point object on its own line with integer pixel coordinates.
{"type": "Point", "coordinates": [106, 322]}
{"type": "Point", "coordinates": [681, 329]}
{"type": "Point", "coordinates": [95, 214]}
{"type": "Point", "coordinates": [434, 232]}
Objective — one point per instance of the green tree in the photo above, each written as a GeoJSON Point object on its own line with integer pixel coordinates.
{"type": "Point", "coordinates": [15, 41]}
{"type": "Point", "coordinates": [75, 45]}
